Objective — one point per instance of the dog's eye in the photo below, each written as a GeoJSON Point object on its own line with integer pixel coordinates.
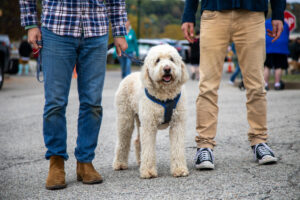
{"type": "Point", "coordinates": [157, 60]}
{"type": "Point", "coordinates": [171, 59]}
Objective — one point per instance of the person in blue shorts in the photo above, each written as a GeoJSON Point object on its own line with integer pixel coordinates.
{"type": "Point", "coordinates": [277, 53]}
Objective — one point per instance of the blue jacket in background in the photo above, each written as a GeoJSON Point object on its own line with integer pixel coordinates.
{"type": "Point", "coordinates": [281, 44]}
{"type": "Point", "coordinates": [132, 43]}
{"type": "Point", "coordinates": [191, 6]}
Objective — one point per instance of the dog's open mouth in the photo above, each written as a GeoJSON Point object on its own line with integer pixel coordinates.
{"type": "Point", "coordinates": [167, 78]}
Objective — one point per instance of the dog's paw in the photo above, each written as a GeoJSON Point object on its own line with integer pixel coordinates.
{"type": "Point", "coordinates": [148, 173]}
{"type": "Point", "coordinates": [120, 166]}
{"type": "Point", "coordinates": [180, 171]}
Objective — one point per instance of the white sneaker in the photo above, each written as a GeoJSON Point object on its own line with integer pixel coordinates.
{"type": "Point", "coordinates": [230, 82]}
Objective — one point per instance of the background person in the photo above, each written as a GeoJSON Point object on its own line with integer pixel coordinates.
{"type": "Point", "coordinates": [237, 70]}
{"type": "Point", "coordinates": [295, 54]}
{"type": "Point", "coordinates": [195, 56]}
{"type": "Point", "coordinates": [73, 32]}
{"type": "Point", "coordinates": [277, 55]}
{"type": "Point", "coordinates": [25, 51]}
{"type": "Point", "coordinates": [132, 42]}
{"type": "Point", "coordinates": [242, 22]}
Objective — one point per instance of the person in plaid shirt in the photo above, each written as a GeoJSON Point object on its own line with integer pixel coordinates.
{"type": "Point", "coordinates": [74, 32]}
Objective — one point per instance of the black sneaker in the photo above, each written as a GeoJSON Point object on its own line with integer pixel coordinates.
{"type": "Point", "coordinates": [204, 159]}
{"type": "Point", "coordinates": [242, 86]}
{"type": "Point", "coordinates": [264, 154]}
{"type": "Point", "coordinates": [267, 88]}
{"type": "Point", "coordinates": [280, 87]}
{"type": "Point", "coordinates": [193, 76]}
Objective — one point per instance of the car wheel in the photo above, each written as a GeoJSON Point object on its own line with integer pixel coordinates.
{"type": "Point", "coordinates": [1, 76]}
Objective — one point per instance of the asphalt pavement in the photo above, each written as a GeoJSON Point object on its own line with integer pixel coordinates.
{"type": "Point", "coordinates": [23, 169]}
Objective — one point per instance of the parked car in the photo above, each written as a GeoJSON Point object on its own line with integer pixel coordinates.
{"type": "Point", "coordinates": [143, 44]}
{"type": "Point", "coordinates": [184, 50]}
{"type": "Point", "coordinates": [146, 44]}
{"type": "Point", "coordinates": [182, 47]}
{"type": "Point", "coordinates": [111, 59]}
{"type": "Point", "coordinates": [172, 42]}
{"type": "Point", "coordinates": [4, 56]}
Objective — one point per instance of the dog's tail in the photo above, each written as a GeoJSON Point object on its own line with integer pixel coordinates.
{"type": "Point", "coordinates": [137, 141]}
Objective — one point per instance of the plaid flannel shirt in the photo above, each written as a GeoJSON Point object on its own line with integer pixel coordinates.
{"type": "Point", "coordinates": [74, 17]}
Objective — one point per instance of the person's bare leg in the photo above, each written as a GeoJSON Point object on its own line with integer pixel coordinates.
{"type": "Point", "coordinates": [266, 75]}
{"type": "Point", "coordinates": [278, 73]}
{"type": "Point", "coordinates": [193, 72]}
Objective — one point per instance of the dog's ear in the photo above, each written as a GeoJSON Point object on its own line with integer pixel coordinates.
{"type": "Point", "coordinates": [145, 77]}
{"type": "Point", "coordinates": [184, 73]}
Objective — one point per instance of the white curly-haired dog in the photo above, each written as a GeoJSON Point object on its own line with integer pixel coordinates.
{"type": "Point", "coordinates": [142, 97]}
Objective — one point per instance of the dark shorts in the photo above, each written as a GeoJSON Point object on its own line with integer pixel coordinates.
{"type": "Point", "coordinates": [276, 61]}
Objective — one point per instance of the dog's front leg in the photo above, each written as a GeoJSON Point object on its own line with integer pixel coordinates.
{"type": "Point", "coordinates": [148, 157]}
{"type": "Point", "coordinates": [125, 123]}
{"type": "Point", "coordinates": [178, 162]}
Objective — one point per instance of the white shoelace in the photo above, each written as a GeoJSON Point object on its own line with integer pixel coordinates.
{"type": "Point", "coordinates": [262, 150]}
{"type": "Point", "coordinates": [204, 154]}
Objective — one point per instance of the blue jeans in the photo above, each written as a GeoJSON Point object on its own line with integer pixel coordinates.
{"type": "Point", "coordinates": [59, 56]}
{"type": "Point", "coordinates": [236, 72]}
{"type": "Point", "coordinates": [125, 65]}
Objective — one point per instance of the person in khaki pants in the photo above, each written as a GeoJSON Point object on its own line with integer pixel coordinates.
{"type": "Point", "coordinates": [241, 22]}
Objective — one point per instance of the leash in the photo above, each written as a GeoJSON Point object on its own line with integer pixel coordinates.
{"type": "Point", "coordinates": [39, 62]}
{"type": "Point", "coordinates": [133, 59]}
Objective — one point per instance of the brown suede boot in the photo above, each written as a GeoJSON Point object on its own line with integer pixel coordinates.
{"type": "Point", "coordinates": [56, 175]}
{"type": "Point", "coordinates": [87, 173]}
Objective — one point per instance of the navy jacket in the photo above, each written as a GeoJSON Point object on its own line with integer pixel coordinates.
{"type": "Point", "coordinates": [190, 8]}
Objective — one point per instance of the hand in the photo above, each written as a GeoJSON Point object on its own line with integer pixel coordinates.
{"type": "Point", "coordinates": [121, 45]}
{"type": "Point", "coordinates": [277, 29]}
{"type": "Point", "coordinates": [188, 31]}
{"type": "Point", "coordinates": [34, 35]}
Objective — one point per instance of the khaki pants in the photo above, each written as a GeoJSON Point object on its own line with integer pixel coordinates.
{"type": "Point", "coordinates": [247, 30]}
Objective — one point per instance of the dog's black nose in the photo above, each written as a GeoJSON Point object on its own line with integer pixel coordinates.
{"type": "Point", "coordinates": [167, 70]}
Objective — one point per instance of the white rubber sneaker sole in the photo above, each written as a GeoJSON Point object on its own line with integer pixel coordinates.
{"type": "Point", "coordinates": [267, 160]}
{"type": "Point", "coordinates": [205, 165]}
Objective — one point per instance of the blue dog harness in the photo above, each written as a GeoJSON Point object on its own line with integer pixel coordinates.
{"type": "Point", "coordinates": [168, 105]}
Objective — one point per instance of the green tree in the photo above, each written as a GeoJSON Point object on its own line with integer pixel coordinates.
{"type": "Point", "coordinates": [10, 19]}
{"type": "Point", "coordinates": [172, 31]}
{"type": "Point", "coordinates": [10, 22]}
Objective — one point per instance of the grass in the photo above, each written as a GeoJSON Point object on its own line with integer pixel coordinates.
{"type": "Point", "coordinates": [113, 67]}
{"type": "Point", "coordinates": [288, 78]}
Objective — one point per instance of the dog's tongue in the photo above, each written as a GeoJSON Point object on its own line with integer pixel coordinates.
{"type": "Point", "coordinates": [167, 78]}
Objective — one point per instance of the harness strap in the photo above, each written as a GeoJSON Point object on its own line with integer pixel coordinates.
{"type": "Point", "coordinates": [169, 105]}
